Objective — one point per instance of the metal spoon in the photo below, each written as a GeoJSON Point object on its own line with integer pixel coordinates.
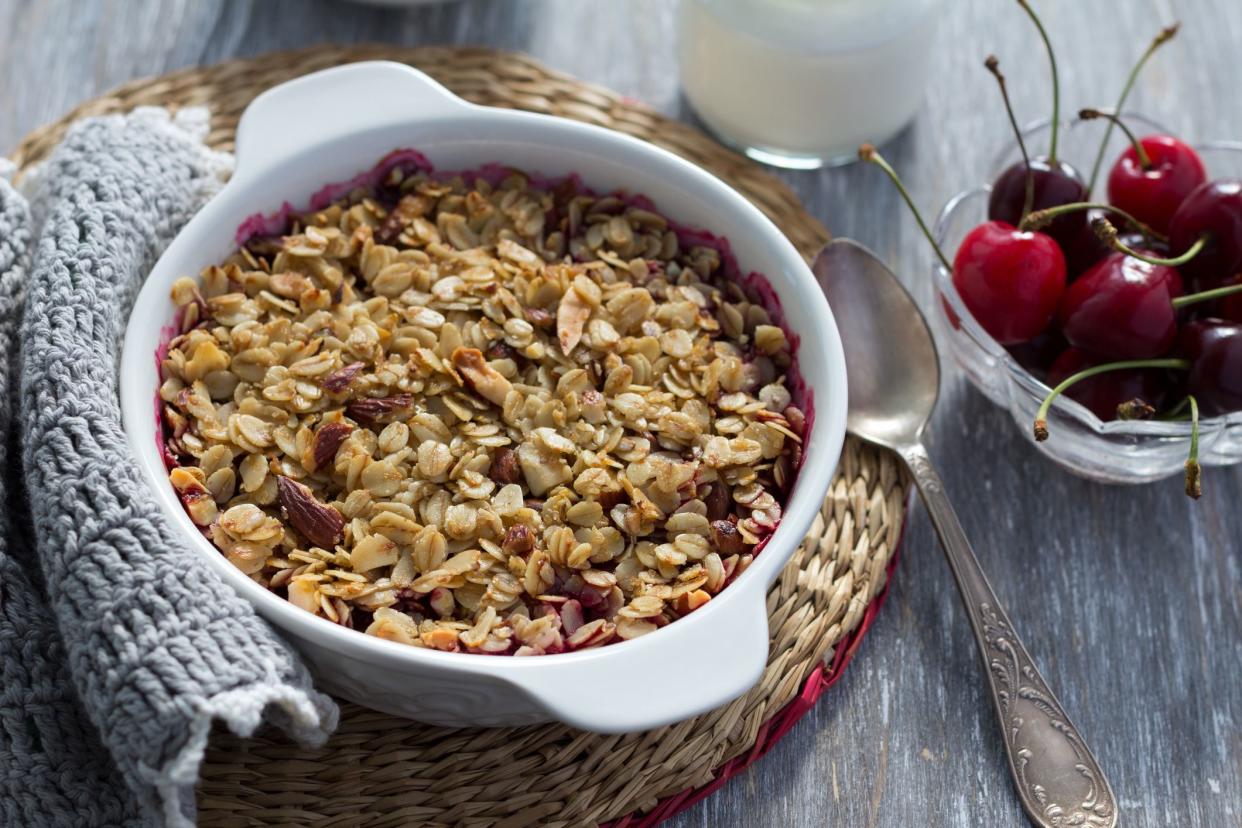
{"type": "Point", "coordinates": [894, 379]}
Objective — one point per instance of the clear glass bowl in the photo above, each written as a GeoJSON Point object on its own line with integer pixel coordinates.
{"type": "Point", "coordinates": [1116, 451]}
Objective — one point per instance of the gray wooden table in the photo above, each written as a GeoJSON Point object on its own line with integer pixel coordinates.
{"type": "Point", "coordinates": [1130, 598]}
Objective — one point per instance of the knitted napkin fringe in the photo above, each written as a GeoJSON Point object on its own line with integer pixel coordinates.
{"type": "Point", "coordinates": [242, 710]}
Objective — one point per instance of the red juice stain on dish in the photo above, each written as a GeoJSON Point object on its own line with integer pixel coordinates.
{"type": "Point", "coordinates": [260, 224]}
{"type": "Point", "coordinates": [411, 161]}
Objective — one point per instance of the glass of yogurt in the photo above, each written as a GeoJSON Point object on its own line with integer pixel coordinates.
{"type": "Point", "coordinates": [801, 83]}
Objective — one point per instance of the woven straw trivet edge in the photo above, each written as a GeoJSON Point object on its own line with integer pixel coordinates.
{"type": "Point", "coordinates": [377, 771]}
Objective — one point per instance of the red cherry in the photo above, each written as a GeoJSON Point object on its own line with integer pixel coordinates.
{"type": "Point", "coordinates": [1214, 348]}
{"type": "Point", "coordinates": [1122, 309]}
{"type": "Point", "coordinates": [1010, 281]}
{"type": "Point", "coordinates": [1102, 393]}
{"type": "Point", "coordinates": [1153, 193]}
{"type": "Point", "coordinates": [1213, 209]}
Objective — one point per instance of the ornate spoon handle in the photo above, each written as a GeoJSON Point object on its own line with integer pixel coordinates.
{"type": "Point", "coordinates": [1057, 778]}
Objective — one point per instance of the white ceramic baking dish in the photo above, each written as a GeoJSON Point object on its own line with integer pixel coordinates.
{"type": "Point", "coordinates": [330, 126]}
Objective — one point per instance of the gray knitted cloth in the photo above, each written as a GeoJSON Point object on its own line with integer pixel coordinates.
{"type": "Point", "coordinates": [117, 650]}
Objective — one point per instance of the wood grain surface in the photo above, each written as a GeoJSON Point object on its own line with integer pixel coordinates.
{"type": "Point", "coordinates": [1130, 598]}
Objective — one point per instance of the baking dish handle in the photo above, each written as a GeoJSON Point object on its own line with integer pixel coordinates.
{"type": "Point", "coordinates": [324, 105]}
{"type": "Point", "coordinates": [687, 668]}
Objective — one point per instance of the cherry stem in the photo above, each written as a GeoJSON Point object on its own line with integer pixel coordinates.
{"type": "Point", "coordinates": [1194, 483]}
{"type": "Point", "coordinates": [1042, 218]}
{"type": "Point", "coordinates": [1041, 416]}
{"type": "Point", "coordinates": [1056, 81]}
{"type": "Point", "coordinates": [993, 66]}
{"type": "Point", "coordinates": [1143, 158]}
{"type": "Point", "coordinates": [1108, 234]}
{"type": "Point", "coordinates": [1207, 295]}
{"type": "Point", "coordinates": [871, 155]}
{"type": "Point", "coordinates": [1166, 34]}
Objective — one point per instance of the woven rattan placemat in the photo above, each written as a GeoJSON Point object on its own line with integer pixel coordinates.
{"type": "Point", "coordinates": [381, 771]}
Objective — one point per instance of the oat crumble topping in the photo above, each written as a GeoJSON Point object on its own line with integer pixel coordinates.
{"type": "Point", "coordinates": [490, 418]}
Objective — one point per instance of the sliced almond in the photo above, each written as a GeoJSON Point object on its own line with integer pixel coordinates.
{"type": "Point", "coordinates": [372, 410]}
{"type": "Point", "coordinates": [319, 523]}
{"type": "Point", "coordinates": [328, 438]}
{"type": "Point", "coordinates": [485, 380]}
{"type": "Point", "coordinates": [338, 381]}
{"type": "Point", "coordinates": [571, 318]}
{"type": "Point", "coordinates": [727, 539]}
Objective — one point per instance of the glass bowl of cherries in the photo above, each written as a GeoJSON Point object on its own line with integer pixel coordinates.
{"type": "Point", "coordinates": [1110, 325]}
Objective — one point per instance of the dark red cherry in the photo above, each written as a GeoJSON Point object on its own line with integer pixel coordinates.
{"type": "Point", "coordinates": [1011, 281]}
{"type": "Point", "coordinates": [1089, 249]}
{"type": "Point", "coordinates": [1086, 249]}
{"type": "Point", "coordinates": [1122, 309]}
{"type": "Point", "coordinates": [1104, 392]}
{"type": "Point", "coordinates": [1228, 307]}
{"type": "Point", "coordinates": [1215, 209]}
{"type": "Point", "coordinates": [1152, 194]}
{"type": "Point", "coordinates": [1214, 348]}
{"type": "Point", "coordinates": [1037, 355]}
{"type": "Point", "coordinates": [1056, 183]}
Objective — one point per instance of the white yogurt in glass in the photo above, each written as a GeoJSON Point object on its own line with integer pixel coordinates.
{"type": "Point", "coordinates": [801, 83]}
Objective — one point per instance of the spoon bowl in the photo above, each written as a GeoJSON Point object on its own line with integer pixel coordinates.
{"type": "Point", "coordinates": [893, 388]}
